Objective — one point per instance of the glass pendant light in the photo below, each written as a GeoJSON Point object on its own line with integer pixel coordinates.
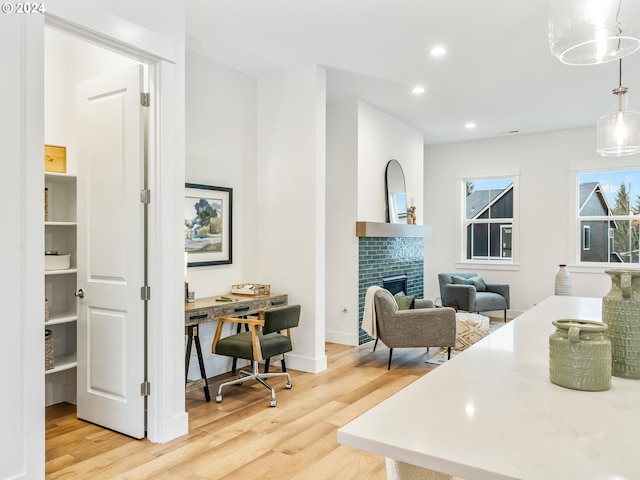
{"type": "Point", "coordinates": [587, 32]}
{"type": "Point", "coordinates": [619, 131]}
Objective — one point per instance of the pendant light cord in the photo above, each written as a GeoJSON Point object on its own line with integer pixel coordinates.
{"type": "Point", "coordinates": [620, 77]}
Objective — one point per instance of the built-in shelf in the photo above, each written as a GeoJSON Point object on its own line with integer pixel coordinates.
{"type": "Point", "coordinates": [61, 272]}
{"type": "Point", "coordinates": [62, 362]}
{"type": "Point", "coordinates": [376, 229]}
{"type": "Point", "coordinates": [62, 317]}
{"type": "Point", "coordinates": [60, 224]}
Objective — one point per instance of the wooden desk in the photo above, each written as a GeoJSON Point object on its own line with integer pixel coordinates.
{"type": "Point", "coordinates": [492, 412]}
{"type": "Point", "coordinates": [209, 309]}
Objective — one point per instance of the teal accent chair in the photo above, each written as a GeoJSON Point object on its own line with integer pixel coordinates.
{"type": "Point", "coordinates": [269, 335]}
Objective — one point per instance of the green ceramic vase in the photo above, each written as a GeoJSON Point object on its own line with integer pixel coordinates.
{"type": "Point", "coordinates": [580, 355]}
{"type": "Point", "coordinates": [621, 312]}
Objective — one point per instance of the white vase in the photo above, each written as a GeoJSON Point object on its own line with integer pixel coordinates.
{"type": "Point", "coordinates": [563, 281]}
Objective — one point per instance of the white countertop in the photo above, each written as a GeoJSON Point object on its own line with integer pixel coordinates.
{"type": "Point", "coordinates": [492, 413]}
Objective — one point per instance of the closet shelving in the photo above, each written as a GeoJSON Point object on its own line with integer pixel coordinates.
{"type": "Point", "coordinates": [60, 229]}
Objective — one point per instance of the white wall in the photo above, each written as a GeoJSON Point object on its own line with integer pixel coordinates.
{"type": "Point", "coordinates": [265, 139]}
{"type": "Point", "coordinates": [544, 162]}
{"type": "Point", "coordinates": [361, 140]}
{"type": "Point", "coordinates": [382, 137]}
{"type": "Point", "coordinates": [291, 201]}
{"type": "Point", "coordinates": [221, 151]}
{"type": "Point", "coordinates": [342, 243]}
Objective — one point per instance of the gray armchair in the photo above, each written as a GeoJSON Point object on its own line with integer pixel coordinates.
{"type": "Point", "coordinates": [419, 327]}
{"type": "Point", "coordinates": [468, 298]}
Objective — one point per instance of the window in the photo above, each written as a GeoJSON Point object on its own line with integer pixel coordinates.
{"type": "Point", "coordinates": [586, 237]}
{"type": "Point", "coordinates": [609, 216]}
{"type": "Point", "coordinates": [488, 210]}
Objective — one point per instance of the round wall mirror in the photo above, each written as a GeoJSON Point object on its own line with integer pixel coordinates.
{"type": "Point", "coordinates": [396, 195]}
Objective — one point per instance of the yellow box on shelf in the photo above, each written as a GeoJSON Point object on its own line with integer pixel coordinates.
{"type": "Point", "coordinates": [55, 159]}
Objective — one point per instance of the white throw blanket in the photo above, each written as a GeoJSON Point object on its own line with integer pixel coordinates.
{"type": "Point", "coordinates": [369, 324]}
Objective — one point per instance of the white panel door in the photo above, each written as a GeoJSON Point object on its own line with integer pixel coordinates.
{"type": "Point", "coordinates": [111, 252]}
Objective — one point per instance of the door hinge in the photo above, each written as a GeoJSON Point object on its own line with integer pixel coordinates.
{"type": "Point", "coordinates": [145, 389]}
{"type": "Point", "coordinates": [145, 196]}
{"type": "Point", "coordinates": [145, 293]}
{"type": "Point", "coordinates": [145, 99]}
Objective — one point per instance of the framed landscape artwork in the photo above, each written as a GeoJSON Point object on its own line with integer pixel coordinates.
{"type": "Point", "coordinates": [207, 224]}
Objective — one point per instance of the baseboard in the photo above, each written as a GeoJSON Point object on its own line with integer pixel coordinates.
{"type": "Point", "coordinates": [169, 428]}
{"type": "Point", "coordinates": [306, 364]}
{"type": "Point", "coordinates": [341, 338]}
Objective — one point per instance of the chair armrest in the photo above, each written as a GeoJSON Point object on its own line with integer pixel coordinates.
{"type": "Point", "coordinates": [460, 296]}
{"type": "Point", "coordinates": [254, 324]}
{"type": "Point", "coordinates": [423, 303]}
{"type": "Point", "coordinates": [501, 289]}
{"type": "Point", "coordinates": [422, 327]}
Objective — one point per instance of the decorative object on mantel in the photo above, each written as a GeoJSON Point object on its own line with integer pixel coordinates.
{"type": "Point", "coordinates": [593, 31]}
{"type": "Point", "coordinates": [563, 281]}
{"type": "Point", "coordinates": [251, 289]}
{"type": "Point", "coordinates": [619, 131]}
{"type": "Point", "coordinates": [411, 215]}
{"type": "Point", "coordinates": [580, 355]}
{"type": "Point", "coordinates": [621, 313]}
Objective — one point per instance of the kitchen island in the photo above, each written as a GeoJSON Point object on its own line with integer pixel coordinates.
{"type": "Point", "coordinates": [492, 413]}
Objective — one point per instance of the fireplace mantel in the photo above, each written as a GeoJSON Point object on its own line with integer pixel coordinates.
{"type": "Point", "coordinates": [377, 229]}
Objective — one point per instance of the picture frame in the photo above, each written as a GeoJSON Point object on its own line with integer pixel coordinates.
{"type": "Point", "coordinates": [207, 225]}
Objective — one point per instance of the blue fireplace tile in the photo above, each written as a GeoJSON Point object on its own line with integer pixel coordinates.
{"type": "Point", "coordinates": [381, 257]}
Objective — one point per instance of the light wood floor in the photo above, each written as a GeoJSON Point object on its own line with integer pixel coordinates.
{"type": "Point", "coordinates": [243, 438]}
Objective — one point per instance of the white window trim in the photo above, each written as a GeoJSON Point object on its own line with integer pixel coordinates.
{"type": "Point", "coordinates": [575, 232]}
{"type": "Point", "coordinates": [512, 263]}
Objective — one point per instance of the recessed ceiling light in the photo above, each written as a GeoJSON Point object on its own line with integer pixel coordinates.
{"type": "Point", "coordinates": [417, 90]}
{"type": "Point", "coordinates": [438, 51]}
{"type": "Point", "coordinates": [470, 125]}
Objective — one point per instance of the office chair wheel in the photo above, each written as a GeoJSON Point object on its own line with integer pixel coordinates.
{"type": "Point", "coordinates": [288, 386]}
{"type": "Point", "coordinates": [218, 398]}
{"type": "Point", "coordinates": [272, 403]}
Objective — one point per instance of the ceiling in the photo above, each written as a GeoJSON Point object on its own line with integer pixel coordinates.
{"type": "Point", "coordinates": [497, 73]}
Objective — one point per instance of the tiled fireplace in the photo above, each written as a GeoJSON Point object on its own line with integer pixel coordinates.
{"type": "Point", "coordinates": [384, 256]}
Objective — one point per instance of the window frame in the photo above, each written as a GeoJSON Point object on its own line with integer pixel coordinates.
{"type": "Point", "coordinates": [489, 262]}
{"type": "Point", "coordinates": [576, 231]}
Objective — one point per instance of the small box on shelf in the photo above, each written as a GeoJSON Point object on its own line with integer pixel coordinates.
{"type": "Point", "coordinates": [251, 289]}
{"type": "Point", "coordinates": [55, 159]}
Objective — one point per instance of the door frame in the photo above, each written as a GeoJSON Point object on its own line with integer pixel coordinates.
{"type": "Point", "coordinates": [166, 415]}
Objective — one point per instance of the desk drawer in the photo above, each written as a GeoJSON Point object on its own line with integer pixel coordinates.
{"type": "Point", "coordinates": [199, 316]}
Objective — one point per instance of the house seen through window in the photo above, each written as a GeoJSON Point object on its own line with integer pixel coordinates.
{"type": "Point", "coordinates": [609, 216]}
{"type": "Point", "coordinates": [489, 219]}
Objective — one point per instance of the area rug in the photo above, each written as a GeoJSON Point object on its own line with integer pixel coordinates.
{"type": "Point", "coordinates": [441, 356]}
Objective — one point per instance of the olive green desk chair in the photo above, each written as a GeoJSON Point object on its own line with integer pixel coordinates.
{"type": "Point", "coordinates": [269, 335]}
